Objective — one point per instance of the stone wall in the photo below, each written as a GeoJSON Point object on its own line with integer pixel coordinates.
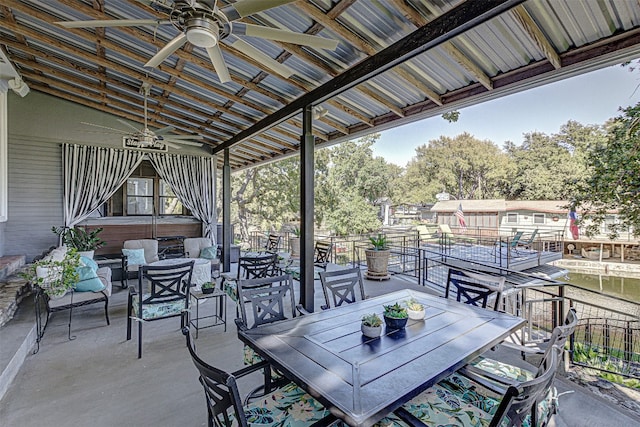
{"type": "Point", "coordinates": [13, 288]}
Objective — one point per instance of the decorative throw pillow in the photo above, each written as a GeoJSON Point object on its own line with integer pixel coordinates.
{"type": "Point", "coordinates": [209, 253]}
{"type": "Point", "coordinates": [88, 281]}
{"type": "Point", "coordinates": [88, 262]}
{"type": "Point", "coordinates": [134, 256]}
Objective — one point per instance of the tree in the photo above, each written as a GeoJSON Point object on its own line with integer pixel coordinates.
{"type": "Point", "coordinates": [614, 184]}
{"type": "Point", "coordinates": [551, 167]}
{"type": "Point", "coordinates": [463, 166]}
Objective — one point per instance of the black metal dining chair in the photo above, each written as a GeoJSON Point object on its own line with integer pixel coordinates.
{"type": "Point", "coordinates": [273, 243]}
{"type": "Point", "coordinates": [341, 287]}
{"type": "Point", "coordinates": [322, 254]}
{"type": "Point", "coordinates": [474, 289]}
{"type": "Point", "coordinates": [474, 400]}
{"type": "Point", "coordinates": [286, 406]}
{"type": "Point", "coordinates": [162, 292]}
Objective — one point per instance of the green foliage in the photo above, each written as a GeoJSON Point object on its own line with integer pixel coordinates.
{"type": "Point", "coordinates": [395, 311]}
{"type": "Point", "coordinates": [59, 276]}
{"type": "Point", "coordinates": [451, 116]}
{"type": "Point", "coordinates": [614, 183]}
{"type": "Point", "coordinates": [414, 305]}
{"type": "Point", "coordinates": [463, 166]}
{"type": "Point", "coordinates": [371, 319]}
{"type": "Point", "coordinates": [79, 238]}
{"type": "Point", "coordinates": [379, 242]}
{"type": "Point", "coordinates": [208, 285]}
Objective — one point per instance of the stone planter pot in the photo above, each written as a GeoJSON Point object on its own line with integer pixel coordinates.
{"type": "Point", "coordinates": [370, 331]}
{"type": "Point", "coordinates": [416, 314]}
{"type": "Point", "coordinates": [393, 323]}
{"type": "Point", "coordinates": [294, 245]}
{"type": "Point", "coordinates": [88, 254]}
{"type": "Point", "coordinates": [377, 263]}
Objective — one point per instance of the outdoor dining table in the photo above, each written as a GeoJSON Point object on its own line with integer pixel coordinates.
{"type": "Point", "coordinates": [359, 379]}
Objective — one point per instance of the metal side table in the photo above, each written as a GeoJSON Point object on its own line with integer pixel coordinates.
{"type": "Point", "coordinates": [219, 315]}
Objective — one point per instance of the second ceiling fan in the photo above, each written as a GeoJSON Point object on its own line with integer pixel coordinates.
{"type": "Point", "coordinates": [203, 24]}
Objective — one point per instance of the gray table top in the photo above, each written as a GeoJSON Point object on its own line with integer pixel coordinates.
{"type": "Point", "coordinates": [360, 379]}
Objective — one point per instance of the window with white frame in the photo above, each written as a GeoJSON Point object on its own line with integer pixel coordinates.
{"type": "Point", "coordinates": [512, 218]}
{"type": "Point", "coordinates": [538, 218]}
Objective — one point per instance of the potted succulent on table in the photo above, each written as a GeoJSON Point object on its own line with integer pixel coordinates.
{"type": "Point", "coordinates": [85, 242]}
{"type": "Point", "coordinates": [371, 325]}
{"type": "Point", "coordinates": [395, 316]}
{"type": "Point", "coordinates": [415, 310]}
{"type": "Point", "coordinates": [378, 258]}
{"type": "Point", "coordinates": [208, 287]}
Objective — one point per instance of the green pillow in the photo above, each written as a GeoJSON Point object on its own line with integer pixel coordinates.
{"type": "Point", "coordinates": [88, 281]}
{"type": "Point", "coordinates": [134, 256]}
{"type": "Point", "coordinates": [209, 253]}
{"type": "Point", "coordinates": [88, 262]}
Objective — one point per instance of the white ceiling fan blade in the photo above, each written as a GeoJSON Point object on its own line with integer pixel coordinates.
{"type": "Point", "coordinates": [215, 54]}
{"type": "Point", "coordinates": [164, 130]}
{"type": "Point", "coordinates": [182, 141]}
{"type": "Point", "coordinates": [129, 125]}
{"type": "Point", "coordinates": [179, 137]}
{"type": "Point", "coordinates": [168, 144]}
{"type": "Point", "coordinates": [124, 132]}
{"type": "Point", "coordinates": [240, 28]}
{"type": "Point", "coordinates": [266, 60]}
{"type": "Point", "coordinates": [243, 8]}
{"type": "Point", "coordinates": [167, 50]}
{"type": "Point", "coordinates": [111, 23]}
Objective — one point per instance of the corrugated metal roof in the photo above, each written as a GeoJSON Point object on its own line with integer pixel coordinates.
{"type": "Point", "coordinates": [104, 68]}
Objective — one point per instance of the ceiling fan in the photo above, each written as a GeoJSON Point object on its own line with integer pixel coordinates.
{"type": "Point", "coordinates": [203, 24]}
{"type": "Point", "coordinates": [146, 138]}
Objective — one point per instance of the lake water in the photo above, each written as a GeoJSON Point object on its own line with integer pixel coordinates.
{"type": "Point", "coordinates": [624, 287]}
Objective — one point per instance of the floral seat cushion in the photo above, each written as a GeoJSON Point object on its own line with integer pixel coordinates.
{"type": "Point", "coordinates": [289, 406]}
{"type": "Point", "coordinates": [157, 310]}
{"type": "Point", "coordinates": [503, 369]}
{"type": "Point", "coordinates": [457, 401]}
{"type": "Point", "coordinates": [230, 287]}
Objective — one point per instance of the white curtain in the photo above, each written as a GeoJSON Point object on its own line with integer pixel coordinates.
{"type": "Point", "coordinates": [91, 176]}
{"type": "Point", "coordinates": [193, 180]}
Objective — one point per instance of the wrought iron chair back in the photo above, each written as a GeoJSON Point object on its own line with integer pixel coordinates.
{"type": "Point", "coordinates": [521, 400]}
{"type": "Point", "coordinates": [475, 289]}
{"type": "Point", "coordinates": [270, 300]}
{"type": "Point", "coordinates": [273, 243]}
{"type": "Point", "coordinates": [220, 389]}
{"type": "Point", "coordinates": [162, 292]}
{"type": "Point", "coordinates": [255, 267]}
{"type": "Point", "coordinates": [322, 253]}
{"type": "Point", "coordinates": [341, 287]}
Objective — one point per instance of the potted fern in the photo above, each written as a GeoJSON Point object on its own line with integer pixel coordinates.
{"type": "Point", "coordinates": [378, 258]}
{"type": "Point", "coordinates": [395, 316]}
{"type": "Point", "coordinates": [85, 242]}
{"type": "Point", "coordinates": [371, 326]}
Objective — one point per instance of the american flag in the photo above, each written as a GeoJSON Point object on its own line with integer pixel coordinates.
{"type": "Point", "coordinates": [460, 215]}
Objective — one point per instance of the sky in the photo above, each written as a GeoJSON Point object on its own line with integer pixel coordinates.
{"type": "Point", "coordinates": [590, 99]}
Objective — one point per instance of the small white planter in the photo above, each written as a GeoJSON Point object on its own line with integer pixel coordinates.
{"type": "Point", "coordinates": [88, 254]}
{"type": "Point", "coordinates": [371, 331]}
{"type": "Point", "coordinates": [416, 314]}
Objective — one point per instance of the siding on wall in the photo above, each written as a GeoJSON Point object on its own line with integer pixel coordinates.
{"type": "Point", "coordinates": [35, 196]}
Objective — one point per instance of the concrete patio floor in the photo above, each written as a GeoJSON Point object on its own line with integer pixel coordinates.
{"type": "Point", "coordinates": [97, 380]}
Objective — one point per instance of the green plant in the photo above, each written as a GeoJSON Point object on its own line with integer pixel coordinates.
{"type": "Point", "coordinates": [55, 277]}
{"type": "Point", "coordinates": [395, 311]}
{"type": "Point", "coordinates": [379, 243]}
{"type": "Point", "coordinates": [296, 231]}
{"type": "Point", "coordinates": [80, 238]}
{"type": "Point", "coordinates": [371, 320]}
{"type": "Point", "coordinates": [414, 305]}
{"type": "Point", "coordinates": [208, 285]}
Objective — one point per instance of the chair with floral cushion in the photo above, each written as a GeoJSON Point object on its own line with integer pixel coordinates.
{"type": "Point", "coordinates": [471, 400]}
{"type": "Point", "coordinates": [263, 301]}
{"type": "Point", "coordinates": [253, 266]}
{"type": "Point", "coordinates": [162, 292]}
{"type": "Point", "coordinates": [288, 405]}
{"type": "Point", "coordinates": [483, 365]}
{"type": "Point", "coordinates": [475, 289]}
